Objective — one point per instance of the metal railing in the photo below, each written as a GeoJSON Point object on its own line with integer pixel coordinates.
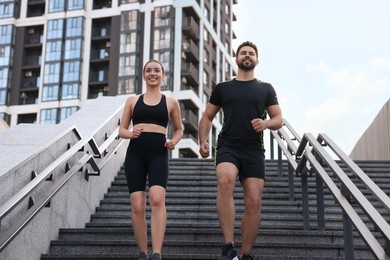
{"type": "Point", "coordinates": [307, 155]}
{"type": "Point", "coordinates": [96, 161]}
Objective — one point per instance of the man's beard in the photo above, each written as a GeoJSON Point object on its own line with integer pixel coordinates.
{"type": "Point", "coordinates": [245, 66]}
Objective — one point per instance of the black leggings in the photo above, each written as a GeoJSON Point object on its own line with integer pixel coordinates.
{"type": "Point", "coordinates": [146, 158]}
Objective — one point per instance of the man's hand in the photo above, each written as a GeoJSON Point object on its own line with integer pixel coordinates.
{"type": "Point", "coordinates": [204, 150]}
{"type": "Point", "coordinates": [259, 124]}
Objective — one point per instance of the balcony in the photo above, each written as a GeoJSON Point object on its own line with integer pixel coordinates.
{"type": "Point", "coordinates": [190, 121]}
{"type": "Point", "coordinates": [190, 73]}
{"type": "Point", "coordinates": [190, 28]}
{"type": "Point", "coordinates": [190, 50]}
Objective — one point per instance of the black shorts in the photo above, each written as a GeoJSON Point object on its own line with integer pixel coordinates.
{"type": "Point", "coordinates": [250, 162]}
{"type": "Point", "coordinates": [146, 159]}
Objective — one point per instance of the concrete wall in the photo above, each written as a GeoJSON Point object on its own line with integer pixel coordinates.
{"type": "Point", "coordinates": [32, 147]}
{"type": "Point", "coordinates": [375, 142]}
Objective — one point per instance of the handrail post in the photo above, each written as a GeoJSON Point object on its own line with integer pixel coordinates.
{"type": "Point", "coordinates": [348, 238]}
{"type": "Point", "coordinates": [271, 141]}
{"type": "Point", "coordinates": [290, 183]}
{"type": "Point", "coordinates": [280, 166]}
{"type": "Point", "coordinates": [320, 203]}
{"type": "Point", "coordinates": [305, 201]}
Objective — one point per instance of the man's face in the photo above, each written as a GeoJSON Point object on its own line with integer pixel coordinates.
{"type": "Point", "coordinates": [246, 59]}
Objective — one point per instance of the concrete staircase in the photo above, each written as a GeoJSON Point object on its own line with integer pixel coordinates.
{"type": "Point", "coordinates": [193, 229]}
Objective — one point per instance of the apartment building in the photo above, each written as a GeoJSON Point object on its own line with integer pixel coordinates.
{"type": "Point", "coordinates": [56, 55]}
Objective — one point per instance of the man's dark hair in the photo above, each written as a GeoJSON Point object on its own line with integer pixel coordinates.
{"type": "Point", "coordinates": [250, 44]}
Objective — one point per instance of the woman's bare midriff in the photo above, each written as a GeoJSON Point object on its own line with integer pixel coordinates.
{"type": "Point", "coordinates": [151, 128]}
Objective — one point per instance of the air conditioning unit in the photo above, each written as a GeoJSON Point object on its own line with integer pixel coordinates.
{"type": "Point", "coordinates": [31, 31]}
{"type": "Point", "coordinates": [28, 74]}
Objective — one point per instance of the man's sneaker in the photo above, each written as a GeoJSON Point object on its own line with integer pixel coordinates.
{"type": "Point", "coordinates": [229, 252]}
{"type": "Point", "coordinates": [143, 256]}
{"type": "Point", "coordinates": [248, 257]}
{"type": "Point", "coordinates": [155, 256]}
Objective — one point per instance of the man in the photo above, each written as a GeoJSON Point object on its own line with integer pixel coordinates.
{"type": "Point", "coordinates": [245, 102]}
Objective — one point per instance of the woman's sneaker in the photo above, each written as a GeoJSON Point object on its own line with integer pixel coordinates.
{"type": "Point", "coordinates": [143, 256]}
{"type": "Point", "coordinates": [155, 256]}
{"type": "Point", "coordinates": [229, 252]}
{"type": "Point", "coordinates": [248, 257]}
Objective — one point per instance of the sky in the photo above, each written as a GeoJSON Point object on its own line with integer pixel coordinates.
{"type": "Point", "coordinates": [328, 60]}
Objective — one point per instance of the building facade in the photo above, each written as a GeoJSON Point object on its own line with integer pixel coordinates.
{"type": "Point", "coordinates": [55, 55]}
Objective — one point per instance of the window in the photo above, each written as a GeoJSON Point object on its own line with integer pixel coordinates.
{"type": "Point", "coordinates": [127, 65]}
{"type": "Point", "coordinates": [70, 91]}
{"type": "Point", "coordinates": [53, 50]}
{"type": "Point", "coordinates": [163, 16]}
{"type": "Point", "coordinates": [49, 116]}
{"type": "Point", "coordinates": [3, 77]}
{"type": "Point", "coordinates": [162, 39]}
{"type": "Point", "coordinates": [127, 86]}
{"type": "Point", "coordinates": [71, 71]}
{"type": "Point", "coordinates": [205, 78]}
{"type": "Point", "coordinates": [128, 42]}
{"type": "Point", "coordinates": [5, 34]}
{"type": "Point", "coordinates": [3, 97]}
{"type": "Point", "coordinates": [75, 4]}
{"type": "Point", "coordinates": [74, 27]}
{"type": "Point", "coordinates": [130, 20]}
{"type": "Point", "coordinates": [66, 112]}
{"type": "Point", "coordinates": [56, 6]}
{"type": "Point", "coordinates": [73, 49]}
{"type": "Point", "coordinates": [5, 55]}
{"type": "Point", "coordinates": [6, 9]}
{"type": "Point", "coordinates": [54, 30]}
{"type": "Point", "coordinates": [50, 93]}
{"type": "Point", "coordinates": [52, 73]}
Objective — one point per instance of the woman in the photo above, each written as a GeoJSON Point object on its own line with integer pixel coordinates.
{"type": "Point", "coordinates": [147, 155]}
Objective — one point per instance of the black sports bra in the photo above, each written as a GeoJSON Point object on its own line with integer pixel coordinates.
{"type": "Point", "coordinates": [157, 114]}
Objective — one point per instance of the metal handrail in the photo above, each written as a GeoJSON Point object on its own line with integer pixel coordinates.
{"type": "Point", "coordinates": [348, 187]}
{"type": "Point", "coordinates": [310, 156]}
{"type": "Point", "coordinates": [98, 152]}
{"type": "Point", "coordinates": [18, 226]}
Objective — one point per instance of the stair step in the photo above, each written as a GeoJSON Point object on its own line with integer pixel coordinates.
{"type": "Point", "coordinates": [193, 230]}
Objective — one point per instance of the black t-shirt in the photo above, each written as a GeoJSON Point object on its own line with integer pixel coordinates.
{"type": "Point", "coordinates": [242, 101]}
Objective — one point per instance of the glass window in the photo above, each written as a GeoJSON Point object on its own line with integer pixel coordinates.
{"type": "Point", "coordinates": [3, 96]}
{"type": "Point", "coordinates": [206, 57]}
{"type": "Point", "coordinates": [5, 34]}
{"type": "Point", "coordinates": [6, 10]}
{"type": "Point", "coordinates": [205, 78]}
{"type": "Point", "coordinates": [164, 58]}
{"type": "Point", "coordinates": [205, 35]}
{"type": "Point", "coordinates": [56, 6]}
{"type": "Point", "coordinates": [128, 42]}
{"type": "Point", "coordinates": [3, 77]}
{"type": "Point", "coordinates": [70, 91]}
{"type": "Point", "coordinates": [163, 16]}
{"type": "Point", "coordinates": [66, 112]}
{"type": "Point", "coordinates": [74, 27]}
{"type": "Point", "coordinates": [73, 49]}
{"type": "Point", "coordinates": [101, 75]}
{"type": "Point", "coordinates": [53, 50]}
{"type": "Point", "coordinates": [49, 116]}
{"type": "Point", "coordinates": [127, 65]}
{"type": "Point", "coordinates": [127, 86]}
{"type": "Point", "coordinates": [128, 1]}
{"type": "Point", "coordinates": [75, 4]}
{"type": "Point", "coordinates": [54, 30]}
{"type": "Point", "coordinates": [52, 73]}
{"type": "Point", "coordinates": [162, 39]}
{"type": "Point", "coordinates": [5, 55]}
{"type": "Point", "coordinates": [129, 20]}
{"type": "Point", "coordinates": [71, 71]}
{"type": "Point", "coordinates": [50, 93]}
